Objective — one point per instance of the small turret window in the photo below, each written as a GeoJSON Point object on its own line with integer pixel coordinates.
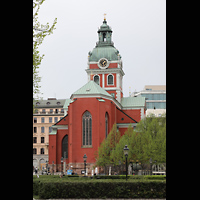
{"type": "Point", "coordinates": [104, 37]}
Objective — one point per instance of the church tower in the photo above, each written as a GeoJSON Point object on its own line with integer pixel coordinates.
{"type": "Point", "coordinates": [105, 64]}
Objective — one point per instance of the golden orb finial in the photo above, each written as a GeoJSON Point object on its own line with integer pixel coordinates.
{"type": "Point", "coordinates": [105, 16]}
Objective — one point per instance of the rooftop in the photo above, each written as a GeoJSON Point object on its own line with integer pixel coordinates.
{"type": "Point", "coordinates": [128, 102]}
{"type": "Point", "coordinates": [49, 103]}
{"type": "Point", "coordinates": [91, 88]}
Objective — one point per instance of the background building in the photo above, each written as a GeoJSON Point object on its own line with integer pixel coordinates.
{"type": "Point", "coordinates": [155, 96]}
{"type": "Point", "coordinates": [47, 112]}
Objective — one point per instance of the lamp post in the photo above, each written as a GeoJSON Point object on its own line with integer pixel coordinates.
{"type": "Point", "coordinates": [126, 149]}
{"type": "Point", "coordinates": [84, 159]}
{"type": "Point", "coordinates": [151, 164]}
{"type": "Point", "coordinates": [61, 166]}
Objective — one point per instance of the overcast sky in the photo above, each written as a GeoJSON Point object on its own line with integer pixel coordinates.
{"type": "Point", "coordinates": [139, 33]}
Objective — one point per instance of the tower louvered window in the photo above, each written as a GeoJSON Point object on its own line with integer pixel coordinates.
{"type": "Point", "coordinates": [96, 79]}
{"type": "Point", "coordinates": [110, 79]}
{"type": "Point", "coordinates": [87, 128]}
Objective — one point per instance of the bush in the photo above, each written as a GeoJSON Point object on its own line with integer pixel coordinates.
{"type": "Point", "coordinates": [102, 190]}
{"type": "Point", "coordinates": [147, 177]}
{"type": "Point", "coordinates": [111, 177]}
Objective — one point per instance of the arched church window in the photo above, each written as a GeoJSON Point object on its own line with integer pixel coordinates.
{"type": "Point", "coordinates": [87, 128]}
{"type": "Point", "coordinates": [110, 79]}
{"type": "Point", "coordinates": [65, 147]}
{"type": "Point", "coordinates": [96, 79]}
{"type": "Point", "coordinates": [106, 124]}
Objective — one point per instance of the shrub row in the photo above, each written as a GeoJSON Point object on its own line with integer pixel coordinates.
{"type": "Point", "coordinates": [152, 177]}
{"type": "Point", "coordinates": [111, 177]}
{"type": "Point", "coordinates": [101, 190]}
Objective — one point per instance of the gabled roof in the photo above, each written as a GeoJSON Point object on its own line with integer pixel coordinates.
{"type": "Point", "coordinates": [91, 88]}
{"type": "Point", "coordinates": [67, 102]}
{"type": "Point", "coordinates": [128, 102]}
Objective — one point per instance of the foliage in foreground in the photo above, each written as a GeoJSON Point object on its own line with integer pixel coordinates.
{"type": "Point", "coordinates": [100, 189]}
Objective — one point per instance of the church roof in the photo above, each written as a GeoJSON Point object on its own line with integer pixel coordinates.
{"type": "Point", "coordinates": [128, 102]}
{"type": "Point", "coordinates": [91, 88]}
{"type": "Point", "coordinates": [109, 52]}
{"type": "Point", "coordinates": [67, 102]}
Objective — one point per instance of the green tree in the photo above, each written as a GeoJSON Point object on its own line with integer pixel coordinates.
{"type": "Point", "coordinates": [151, 140]}
{"type": "Point", "coordinates": [107, 147]}
{"type": "Point", "coordinates": [40, 31]}
{"type": "Point", "coordinates": [147, 141]}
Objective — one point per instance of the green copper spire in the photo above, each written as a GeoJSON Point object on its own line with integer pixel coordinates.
{"type": "Point", "coordinates": [104, 47]}
{"type": "Point", "coordinates": [105, 34]}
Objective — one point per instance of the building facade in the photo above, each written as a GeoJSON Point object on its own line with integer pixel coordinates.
{"type": "Point", "coordinates": [46, 113]}
{"type": "Point", "coordinates": [155, 96]}
{"type": "Point", "coordinates": [91, 111]}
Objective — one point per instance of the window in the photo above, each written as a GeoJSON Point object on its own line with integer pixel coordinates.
{"type": "Point", "coordinates": [34, 129]}
{"type": "Point", "coordinates": [56, 110]}
{"type": "Point", "coordinates": [62, 110]}
{"type": "Point", "coordinates": [35, 119]}
{"type": "Point", "coordinates": [34, 139]}
{"type": "Point", "coordinates": [43, 111]}
{"type": "Point", "coordinates": [110, 79]}
{"type": "Point", "coordinates": [51, 110]}
{"type": "Point", "coordinates": [65, 147]}
{"type": "Point", "coordinates": [42, 139]}
{"type": "Point", "coordinates": [106, 124]}
{"type": "Point", "coordinates": [50, 129]}
{"type": "Point", "coordinates": [42, 151]}
{"type": "Point", "coordinates": [34, 151]}
{"type": "Point", "coordinates": [104, 37]}
{"type": "Point", "coordinates": [55, 119]}
{"type": "Point", "coordinates": [42, 129]}
{"type": "Point", "coordinates": [50, 119]}
{"type": "Point", "coordinates": [42, 120]}
{"type": "Point", "coordinates": [96, 79]}
{"type": "Point", "coordinates": [87, 128]}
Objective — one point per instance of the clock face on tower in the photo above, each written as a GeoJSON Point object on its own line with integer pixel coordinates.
{"type": "Point", "coordinates": [103, 63]}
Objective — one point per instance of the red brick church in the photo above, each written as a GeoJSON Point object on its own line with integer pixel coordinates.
{"type": "Point", "coordinates": [92, 110]}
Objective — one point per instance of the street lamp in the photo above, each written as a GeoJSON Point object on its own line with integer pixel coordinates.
{"type": "Point", "coordinates": [84, 159]}
{"type": "Point", "coordinates": [151, 164]}
{"type": "Point", "coordinates": [126, 149]}
{"type": "Point", "coordinates": [61, 166]}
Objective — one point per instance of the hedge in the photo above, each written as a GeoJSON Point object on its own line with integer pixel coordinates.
{"type": "Point", "coordinates": [110, 177]}
{"type": "Point", "coordinates": [101, 190]}
{"type": "Point", "coordinates": [152, 177]}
